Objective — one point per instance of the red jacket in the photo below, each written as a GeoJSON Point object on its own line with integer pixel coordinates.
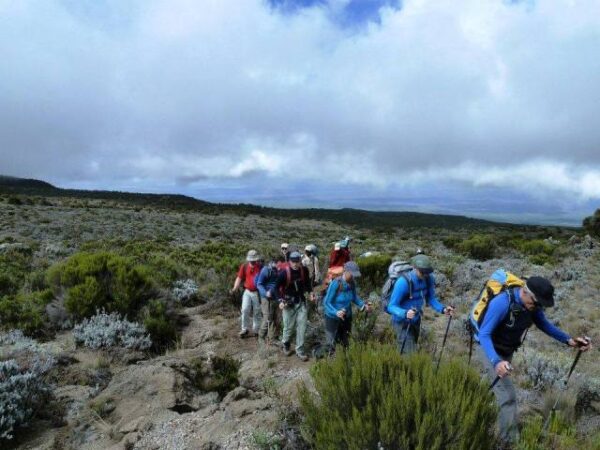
{"type": "Point", "coordinates": [338, 258]}
{"type": "Point", "coordinates": [247, 273]}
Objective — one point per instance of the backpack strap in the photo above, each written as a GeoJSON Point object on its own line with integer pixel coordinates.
{"type": "Point", "coordinates": [406, 276]}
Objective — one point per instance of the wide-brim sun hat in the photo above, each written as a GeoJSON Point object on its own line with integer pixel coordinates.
{"type": "Point", "coordinates": [252, 256]}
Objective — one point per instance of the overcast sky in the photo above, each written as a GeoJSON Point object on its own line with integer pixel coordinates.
{"type": "Point", "coordinates": [487, 108]}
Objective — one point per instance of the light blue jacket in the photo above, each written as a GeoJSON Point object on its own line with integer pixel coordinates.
{"type": "Point", "coordinates": [335, 301]}
{"type": "Point", "coordinates": [400, 302]}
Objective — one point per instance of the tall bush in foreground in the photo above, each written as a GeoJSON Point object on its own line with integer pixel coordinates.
{"type": "Point", "coordinates": [370, 397]}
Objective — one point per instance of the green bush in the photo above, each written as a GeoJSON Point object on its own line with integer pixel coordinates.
{"type": "Point", "coordinates": [478, 246]}
{"type": "Point", "coordinates": [159, 325]}
{"type": "Point", "coordinates": [591, 224]}
{"type": "Point", "coordinates": [374, 270]}
{"type": "Point", "coordinates": [539, 251]}
{"type": "Point", "coordinates": [96, 281]}
{"type": "Point", "coordinates": [370, 396]}
{"type": "Point", "coordinates": [25, 312]}
{"type": "Point", "coordinates": [559, 436]}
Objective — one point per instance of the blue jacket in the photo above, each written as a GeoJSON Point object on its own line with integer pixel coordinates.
{"type": "Point", "coordinates": [266, 283]}
{"type": "Point", "coordinates": [335, 301]}
{"type": "Point", "coordinates": [400, 302]}
{"type": "Point", "coordinates": [497, 311]}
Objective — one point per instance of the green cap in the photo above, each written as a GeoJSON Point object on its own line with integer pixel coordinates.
{"type": "Point", "coordinates": [422, 262]}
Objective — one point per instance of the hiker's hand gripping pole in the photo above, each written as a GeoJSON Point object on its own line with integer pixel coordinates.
{"type": "Point", "coordinates": [508, 369]}
{"type": "Point", "coordinates": [412, 312]}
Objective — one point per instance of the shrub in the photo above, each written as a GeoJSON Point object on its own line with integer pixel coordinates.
{"type": "Point", "coordinates": [26, 312]}
{"type": "Point", "coordinates": [374, 270]}
{"type": "Point", "coordinates": [185, 291]}
{"type": "Point", "coordinates": [591, 224]}
{"type": "Point", "coordinates": [160, 325]}
{"type": "Point", "coordinates": [559, 436]}
{"type": "Point", "coordinates": [102, 281]}
{"type": "Point", "coordinates": [221, 374]}
{"type": "Point", "coordinates": [23, 388]}
{"type": "Point", "coordinates": [478, 246]}
{"type": "Point", "coordinates": [14, 201]}
{"type": "Point", "coordinates": [539, 251]}
{"type": "Point", "coordinates": [371, 397]}
{"type": "Point", "coordinates": [542, 371]}
{"type": "Point", "coordinates": [110, 330]}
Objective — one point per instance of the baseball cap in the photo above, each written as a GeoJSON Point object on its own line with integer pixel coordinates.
{"type": "Point", "coordinates": [353, 268]}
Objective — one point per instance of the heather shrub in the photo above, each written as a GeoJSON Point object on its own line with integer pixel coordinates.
{"type": "Point", "coordinates": [26, 312]}
{"type": "Point", "coordinates": [374, 270]}
{"type": "Point", "coordinates": [159, 325]}
{"type": "Point", "coordinates": [102, 281]}
{"type": "Point", "coordinates": [591, 224]}
{"type": "Point", "coordinates": [538, 251]}
{"type": "Point", "coordinates": [110, 330]}
{"type": "Point", "coordinates": [559, 436]}
{"type": "Point", "coordinates": [371, 397]}
{"type": "Point", "coordinates": [478, 246]}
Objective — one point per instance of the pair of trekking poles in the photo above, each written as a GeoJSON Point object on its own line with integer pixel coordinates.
{"type": "Point", "coordinates": [437, 366]}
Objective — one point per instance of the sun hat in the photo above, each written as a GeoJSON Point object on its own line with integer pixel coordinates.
{"type": "Point", "coordinates": [252, 255]}
{"type": "Point", "coordinates": [353, 268]}
{"type": "Point", "coordinates": [422, 263]}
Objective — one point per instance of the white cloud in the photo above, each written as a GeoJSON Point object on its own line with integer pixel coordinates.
{"type": "Point", "coordinates": [440, 90]}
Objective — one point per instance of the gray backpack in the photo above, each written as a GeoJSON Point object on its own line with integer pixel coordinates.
{"type": "Point", "coordinates": [396, 270]}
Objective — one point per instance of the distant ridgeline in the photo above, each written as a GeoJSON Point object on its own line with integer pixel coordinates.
{"type": "Point", "coordinates": [346, 216]}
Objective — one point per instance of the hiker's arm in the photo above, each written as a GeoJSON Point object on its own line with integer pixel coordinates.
{"type": "Point", "coordinates": [236, 284]}
{"type": "Point", "coordinates": [358, 301]}
{"type": "Point", "coordinates": [329, 296]}
{"type": "Point", "coordinates": [543, 324]}
{"type": "Point", "coordinates": [496, 311]}
{"type": "Point", "coordinates": [398, 293]}
{"type": "Point", "coordinates": [281, 281]}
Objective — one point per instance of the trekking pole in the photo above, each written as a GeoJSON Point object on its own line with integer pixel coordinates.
{"type": "Point", "coordinates": [406, 335]}
{"type": "Point", "coordinates": [443, 344]}
{"type": "Point", "coordinates": [498, 377]}
{"type": "Point", "coordinates": [553, 410]}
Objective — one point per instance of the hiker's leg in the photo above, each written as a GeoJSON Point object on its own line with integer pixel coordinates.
{"type": "Point", "coordinates": [289, 320]}
{"type": "Point", "coordinates": [331, 328]}
{"type": "Point", "coordinates": [246, 307]}
{"type": "Point", "coordinates": [264, 325]}
{"type": "Point", "coordinates": [410, 346]}
{"type": "Point", "coordinates": [301, 322]}
{"type": "Point", "coordinates": [506, 398]}
{"type": "Point", "coordinates": [256, 310]}
{"type": "Point", "coordinates": [344, 331]}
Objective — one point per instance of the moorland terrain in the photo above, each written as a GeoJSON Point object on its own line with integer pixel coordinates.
{"type": "Point", "coordinates": [180, 377]}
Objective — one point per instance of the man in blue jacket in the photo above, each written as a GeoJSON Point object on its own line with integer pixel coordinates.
{"type": "Point", "coordinates": [266, 284]}
{"type": "Point", "coordinates": [337, 303]}
{"type": "Point", "coordinates": [502, 330]}
{"type": "Point", "coordinates": [410, 293]}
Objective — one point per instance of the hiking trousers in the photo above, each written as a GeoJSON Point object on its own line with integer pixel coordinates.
{"type": "Point", "coordinates": [295, 319]}
{"type": "Point", "coordinates": [506, 398]}
{"type": "Point", "coordinates": [269, 314]}
{"type": "Point", "coordinates": [337, 331]}
{"type": "Point", "coordinates": [251, 303]}
{"type": "Point", "coordinates": [401, 330]}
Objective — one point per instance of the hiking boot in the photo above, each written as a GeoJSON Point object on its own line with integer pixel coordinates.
{"type": "Point", "coordinates": [302, 356]}
{"type": "Point", "coordinates": [243, 333]}
{"type": "Point", "coordinates": [287, 350]}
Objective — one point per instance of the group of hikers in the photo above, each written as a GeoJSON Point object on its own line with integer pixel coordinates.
{"type": "Point", "coordinates": [500, 317]}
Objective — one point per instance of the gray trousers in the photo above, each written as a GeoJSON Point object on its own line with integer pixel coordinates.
{"type": "Point", "coordinates": [251, 303]}
{"type": "Point", "coordinates": [506, 398]}
{"type": "Point", "coordinates": [411, 341]}
{"type": "Point", "coordinates": [295, 318]}
{"type": "Point", "coordinates": [269, 314]}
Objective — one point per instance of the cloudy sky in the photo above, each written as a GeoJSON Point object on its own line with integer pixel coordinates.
{"type": "Point", "coordinates": [484, 108]}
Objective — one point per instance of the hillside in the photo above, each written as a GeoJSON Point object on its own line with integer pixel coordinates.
{"type": "Point", "coordinates": [347, 216]}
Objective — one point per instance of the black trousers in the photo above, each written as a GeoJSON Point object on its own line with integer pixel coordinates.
{"type": "Point", "coordinates": [337, 331]}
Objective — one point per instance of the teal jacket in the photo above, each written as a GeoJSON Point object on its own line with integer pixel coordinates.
{"type": "Point", "coordinates": [336, 299]}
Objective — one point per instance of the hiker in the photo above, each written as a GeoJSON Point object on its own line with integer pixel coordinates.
{"type": "Point", "coordinates": [507, 318]}
{"type": "Point", "coordinates": [339, 255]}
{"type": "Point", "coordinates": [285, 251]}
{"type": "Point", "coordinates": [293, 283]}
{"type": "Point", "coordinates": [409, 295]}
{"type": "Point", "coordinates": [338, 307]}
{"type": "Point", "coordinates": [250, 298]}
{"type": "Point", "coordinates": [310, 260]}
{"type": "Point", "coordinates": [266, 284]}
